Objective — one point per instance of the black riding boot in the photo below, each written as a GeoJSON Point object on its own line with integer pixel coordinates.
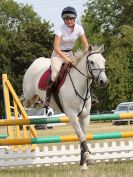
{"type": "Point", "coordinates": [49, 92]}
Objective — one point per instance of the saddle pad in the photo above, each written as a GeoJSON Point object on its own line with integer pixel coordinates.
{"type": "Point", "coordinates": [43, 82]}
{"type": "Point", "coordinates": [43, 85]}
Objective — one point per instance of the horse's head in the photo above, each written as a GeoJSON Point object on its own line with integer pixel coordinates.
{"type": "Point", "coordinates": [95, 64]}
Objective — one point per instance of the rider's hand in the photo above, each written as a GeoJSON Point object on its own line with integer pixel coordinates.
{"type": "Point", "coordinates": [67, 58]}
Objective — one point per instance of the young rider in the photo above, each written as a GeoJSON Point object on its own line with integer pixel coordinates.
{"type": "Point", "coordinates": [64, 41]}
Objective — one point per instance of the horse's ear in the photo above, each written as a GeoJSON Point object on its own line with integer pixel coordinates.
{"type": "Point", "coordinates": [101, 49]}
{"type": "Point", "coordinates": [90, 48]}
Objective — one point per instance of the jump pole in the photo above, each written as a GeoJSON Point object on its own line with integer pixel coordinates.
{"type": "Point", "coordinates": [3, 136]}
{"type": "Point", "coordinates": [57, 139]}
{"type": "Point", "coordinates": [64, 119]}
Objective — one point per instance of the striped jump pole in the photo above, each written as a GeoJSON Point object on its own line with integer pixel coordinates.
{"type": "Point", "coordinates": [3, 136]}
{"type": "Point", "coordinates": [64, 119]}
{"type": "Point", "coordinates": [57, 139]}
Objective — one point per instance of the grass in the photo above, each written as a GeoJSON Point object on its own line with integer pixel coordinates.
{"type": "Point", "coordinates": [110, 169]}
{"type": "Point", "coordinates": [114, 169]}
{"type": "Point", "coordinates": [93, 128]}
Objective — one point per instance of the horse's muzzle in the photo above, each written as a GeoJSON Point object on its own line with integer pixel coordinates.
{"type": "Point", "coordinates": [103, 83]}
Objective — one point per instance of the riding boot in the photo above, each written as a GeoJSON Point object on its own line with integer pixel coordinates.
{"type": "Point", "coordinates": [49, 93]}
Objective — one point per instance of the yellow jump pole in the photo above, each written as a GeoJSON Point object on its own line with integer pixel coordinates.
{"type": "Point", "coordinates": [57, 139]}
{"type": "Point", "coordinates": [8, 92]}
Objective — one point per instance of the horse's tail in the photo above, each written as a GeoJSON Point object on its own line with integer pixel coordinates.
{"type": "Point", "coordinates": [34, 102]}
{"type": "Point", "coordinates": [24, 102]}
{"type": "Point", "coordinates": [22, 98]}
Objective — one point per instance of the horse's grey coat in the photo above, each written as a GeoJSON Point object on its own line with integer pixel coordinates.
{"type": "Point", "coordinates": [71, 103]}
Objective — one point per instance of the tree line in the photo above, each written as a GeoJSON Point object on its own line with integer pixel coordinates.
{"type": "Point", "coordinates": [111, 22]}
{"type": "Point", "coordinates": [25, 37]}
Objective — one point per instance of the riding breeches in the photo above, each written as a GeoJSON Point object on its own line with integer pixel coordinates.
{"type": "Point", "coordinates": [56, 63]}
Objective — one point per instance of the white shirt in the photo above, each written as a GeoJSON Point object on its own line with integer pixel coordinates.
{"type": "Point", "coordinates": [69, 38]}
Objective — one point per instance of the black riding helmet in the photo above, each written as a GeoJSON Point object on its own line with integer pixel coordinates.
{"type": "Point", "coordinates": [68, 12]}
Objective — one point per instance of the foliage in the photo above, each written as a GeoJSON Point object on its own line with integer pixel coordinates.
{"type": "Point", "coordinates": [121, 66]}
{"type": "Point", "coordinates": [23, 38]}
{"type": "Point", "coordinates": [111, 22]}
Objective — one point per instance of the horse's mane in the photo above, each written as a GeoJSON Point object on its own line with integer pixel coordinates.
{"type": "Point", "coordinates": [79, 54]}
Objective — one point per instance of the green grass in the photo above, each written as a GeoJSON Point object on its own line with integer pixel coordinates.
{"type": "Point", "coordinates": [113, 169]}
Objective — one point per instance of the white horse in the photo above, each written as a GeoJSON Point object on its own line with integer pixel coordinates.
{"type": "Point", "coordinates": [75, 94]}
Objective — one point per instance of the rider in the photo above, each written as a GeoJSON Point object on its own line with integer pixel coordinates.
{"type": "Point", "coordinates": [64, 41]}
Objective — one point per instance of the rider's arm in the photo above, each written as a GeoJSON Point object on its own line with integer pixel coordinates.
{"type": "Point", "coordinates": [58, 50]}
{"type": "Point", "coordinates": [84, 41]}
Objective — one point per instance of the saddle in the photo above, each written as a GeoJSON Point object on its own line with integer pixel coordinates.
{"type": "Point", "coordinates": [61, 76]}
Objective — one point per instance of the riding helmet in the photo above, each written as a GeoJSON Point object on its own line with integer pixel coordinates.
{"type": "Point", "coordinates": [68, 12]}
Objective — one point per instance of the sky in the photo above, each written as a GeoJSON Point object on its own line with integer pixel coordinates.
{"type": "Point", "coordinates": [50, 10]}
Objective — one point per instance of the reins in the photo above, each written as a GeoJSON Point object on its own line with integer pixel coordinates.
{"type": "Point", "coordinates": [89, 70]}
{"type": "Point", "coordinates": [81, 72]}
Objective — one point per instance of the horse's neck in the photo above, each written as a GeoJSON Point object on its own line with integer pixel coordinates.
{"type": "Point", "coordinates": [80, 81]}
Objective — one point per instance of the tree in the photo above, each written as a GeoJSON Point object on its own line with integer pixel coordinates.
{"type": "Point", "coordinates": [111, 22]}
{"type": "Point", "coordinates": [23, 38]}
{"type": "Point", "coordinates": [121, 66]}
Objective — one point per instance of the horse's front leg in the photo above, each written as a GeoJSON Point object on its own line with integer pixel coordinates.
{"type": "Point", "coordinates": [80, 133]}
{"type": "Point", "coordinates": [86, 157]}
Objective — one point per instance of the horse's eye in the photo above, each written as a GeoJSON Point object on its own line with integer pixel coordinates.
{"type": "Point", "coordinates": [91, 62]}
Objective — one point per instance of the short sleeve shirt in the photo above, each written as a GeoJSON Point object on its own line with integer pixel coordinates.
{"type": "Point", "coordinates": [69, 38]}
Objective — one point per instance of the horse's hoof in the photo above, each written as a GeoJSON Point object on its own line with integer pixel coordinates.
{"type": "Point", "coordinates": [83, 167]}
{"type": "Point", "coordinates": [89, 158]}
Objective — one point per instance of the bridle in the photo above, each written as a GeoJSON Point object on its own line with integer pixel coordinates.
{"type": "Point", "coordinates": [90, 70]}
{"type": "Point", "coordinates": [90, 76]}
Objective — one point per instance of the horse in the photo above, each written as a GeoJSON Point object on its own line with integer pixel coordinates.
{"type": "Point", "coordinates": [74, 95]}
